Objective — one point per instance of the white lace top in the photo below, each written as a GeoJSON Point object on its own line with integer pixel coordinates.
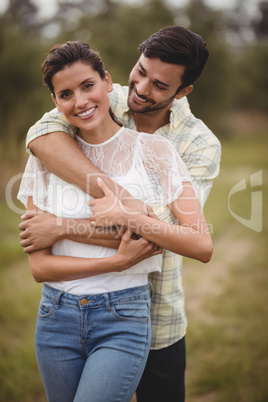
{"type": "Point", "coordinates": [146, 165]}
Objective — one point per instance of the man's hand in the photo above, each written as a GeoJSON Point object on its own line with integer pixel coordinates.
{"type": "Point", "coordinates": [39, 230]}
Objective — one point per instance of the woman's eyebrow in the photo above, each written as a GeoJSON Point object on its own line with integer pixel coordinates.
{"type": "Point", "coordinates": [86, 80]}
{"type": "Point", "coordinates": [82, 83]}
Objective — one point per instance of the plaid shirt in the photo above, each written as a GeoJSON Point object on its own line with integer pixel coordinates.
{"type": "Point", "coordinates": [201, 152]}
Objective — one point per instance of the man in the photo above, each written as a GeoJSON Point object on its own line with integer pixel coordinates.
{"type": "Point", "coordinates": [171, 60]}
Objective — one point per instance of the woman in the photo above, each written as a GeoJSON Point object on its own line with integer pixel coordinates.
{"type": "Point", "coordinates": [93, 329]}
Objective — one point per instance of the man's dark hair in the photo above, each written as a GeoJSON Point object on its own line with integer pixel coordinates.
{"type": "Point", "coordinates": [178, 45]}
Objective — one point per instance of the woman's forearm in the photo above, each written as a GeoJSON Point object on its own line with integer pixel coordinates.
{"type": "Point", "coordinates": [189, 241]}
{"type": "Point", "coordinates": [52, 268]}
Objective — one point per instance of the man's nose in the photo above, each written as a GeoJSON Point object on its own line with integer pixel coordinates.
{"type": "Point", "coordinates": [143, 87]}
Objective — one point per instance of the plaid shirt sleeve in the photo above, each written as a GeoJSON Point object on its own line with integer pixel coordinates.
{"type": "Point", "coordinates": [202, 159]}
{"type": "Point", "coordinates": [200, 150]}
{"type": "Point", "coordinates": [198, 147]}
{"type": "Point", "coordinates": [51, 122]}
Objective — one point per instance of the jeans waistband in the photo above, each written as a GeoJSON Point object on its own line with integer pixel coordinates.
{"type": "Point", "coordinates": [95, 300]}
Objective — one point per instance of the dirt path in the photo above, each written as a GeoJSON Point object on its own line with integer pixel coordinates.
{"type": "Point", "coordinates": [231, 248]}
{"type": "Point", "coordinates": [201, 280]}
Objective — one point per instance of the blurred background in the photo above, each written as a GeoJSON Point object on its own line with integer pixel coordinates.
{"type": "Point", "coordinates": [226, 300]}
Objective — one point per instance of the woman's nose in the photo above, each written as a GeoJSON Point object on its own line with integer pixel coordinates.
{"type": "Point", "coordinates": [80, 100]}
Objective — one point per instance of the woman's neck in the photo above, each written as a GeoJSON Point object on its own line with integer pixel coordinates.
{"type": "Point", "coordinates": [101, 134]}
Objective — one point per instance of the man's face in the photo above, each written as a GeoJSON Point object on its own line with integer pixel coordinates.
{"type": "Point", "coordinates": [153, 85]}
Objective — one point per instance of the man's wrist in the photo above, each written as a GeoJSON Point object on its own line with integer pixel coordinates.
{"type": "Point", "coordinates": [65, 228]}
{"type": "Point", "coordinates": [75, 229]}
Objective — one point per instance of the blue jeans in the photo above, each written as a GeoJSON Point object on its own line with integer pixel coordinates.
{"type": "Point", "coordinates": [92, 348]}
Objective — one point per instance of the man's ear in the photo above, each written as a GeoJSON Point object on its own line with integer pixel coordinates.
{"type": "Point", "coordinates": [55, 101]}
{"type": "Point", "coordinates": [184, 92]}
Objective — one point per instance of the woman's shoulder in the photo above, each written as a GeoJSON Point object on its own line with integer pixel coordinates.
{"type": "Point", "coordinates": [156, 143]}
{"type": "Point", "coordinates": [129, 135]}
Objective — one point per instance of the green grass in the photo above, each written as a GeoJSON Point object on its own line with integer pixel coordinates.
{"type": "Point", "coordinates": [227, 337]}
{"type": "Point", "coordinates": [19, 299]}
{"type": "Point", "coordinates": [228, 355]}
{"type": "Point", "coordinates": [226, 300]}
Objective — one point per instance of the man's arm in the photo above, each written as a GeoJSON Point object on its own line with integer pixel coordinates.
{"type": "Point", "coordinates": [51, 139]}
{"type": "Point", "coordinates": [68, 162]}
{"type": "Point", "coordinates": [202, 158]}
{"type": "Point", "coordinates": [40, 230]}
{"type": "Point", "coordinates": [59, 152]}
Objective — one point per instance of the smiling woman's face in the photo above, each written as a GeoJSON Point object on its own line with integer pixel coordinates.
{"type": "Point", "coordinates": [81, 95]}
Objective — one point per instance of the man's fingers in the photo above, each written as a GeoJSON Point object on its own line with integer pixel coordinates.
{"type": "Point", "coordinates": [28, 249]}
{"type": "Point", "coordinates": [25, 243]}
{"type": "Point", "coordinates": [29, 214]}
{"type": "Point", "coordinates": [22, 225]}
{"type": "Point", "coordinates": [23, 235]}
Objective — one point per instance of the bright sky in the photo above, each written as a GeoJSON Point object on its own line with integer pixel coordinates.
{"type": "Point", "coordinates": [49, 7]}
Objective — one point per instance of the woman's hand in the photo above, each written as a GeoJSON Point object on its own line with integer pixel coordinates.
{"type": "Point", "coordinates": [106, 211]}
{"type": "Point", "coordinates": [110, 211]}
{"type": "Point", "coordinates": [132, 251]}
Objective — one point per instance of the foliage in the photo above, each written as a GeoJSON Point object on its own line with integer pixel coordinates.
{"type": "Point", "coordinates": [22, 94]}
{"type": "Point", "coordinates": [117, 31]}
{"type": "Point", "coordinates": [211, 93]}
{"type": "Point", "coordinates": [235, 69]}
{"type": "Point", "coordinates": [261, 25]}
{"type": "Point", "coordinates": [252, 86]}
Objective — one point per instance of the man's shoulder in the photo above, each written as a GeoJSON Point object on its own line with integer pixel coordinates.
{"type": "Point", "coordinates": [190, 127]}
{"type": "Point", "coordinates": [51, 116]}
{"type": "Point", "coordinates": [118, 101]}
{"type": "Point", "coordinates": [119, 92]}
{"type": "Point", "coordinates": [120, 88]}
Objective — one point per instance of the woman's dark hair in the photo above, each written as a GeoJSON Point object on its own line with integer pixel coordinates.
{"type": "Point", "coordinates": [178, 45]}
{"type": "Point", "coordinates": [66, 54]}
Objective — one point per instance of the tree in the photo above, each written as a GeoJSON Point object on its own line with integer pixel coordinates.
{"type": "Point", "coordinates": [260, 25]}
{"type": "Point", "coordinates": [117, 30]}
{"type": "Point", "coordinates": [211, 94]}
{"type": "Point", "coordinates": [22, 97]}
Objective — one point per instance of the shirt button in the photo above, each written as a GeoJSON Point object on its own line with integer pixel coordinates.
{"type": "Point", "coordinates": [83, 302]}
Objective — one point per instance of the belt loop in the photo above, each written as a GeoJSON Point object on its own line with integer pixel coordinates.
{"type": "Point", "coordinates": [108, 306]}
{"type": "Point", "coordinates": [57, 300]}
